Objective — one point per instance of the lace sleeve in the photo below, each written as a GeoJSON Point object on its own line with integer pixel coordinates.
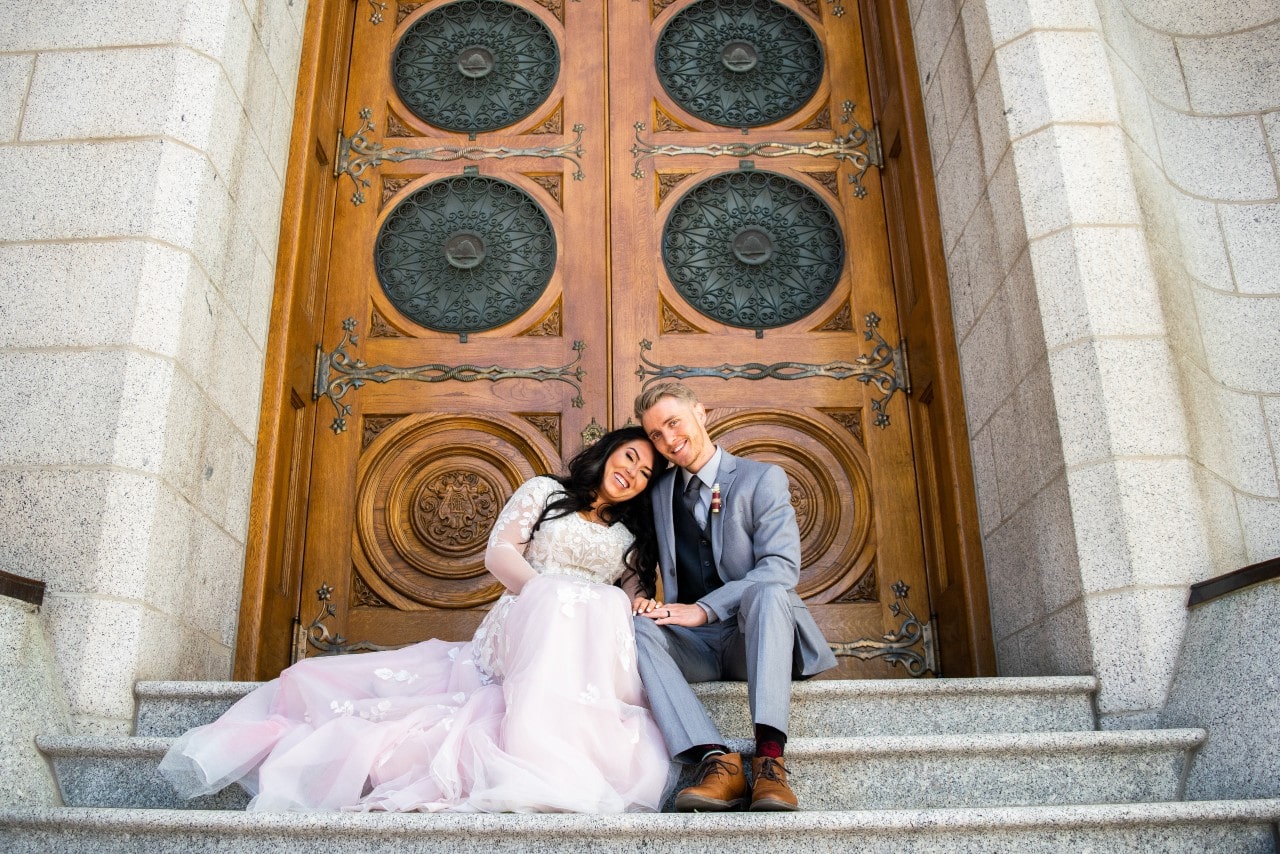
{"type": "Point", "coordinates": [504, 556]}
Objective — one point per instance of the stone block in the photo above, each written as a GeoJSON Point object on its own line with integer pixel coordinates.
{"type": "Point", "coordinates": [1260, 518]}
{"type": "Point", "coordinates": [15, 79]}
{"type": "Point", "coordinates": [1007, 210]}
{"type": "Point", "coordinates": [1118, 397]}
{"type": "Point", "coordinates": [1136, 635]}
{"type": "Point", "coordinates": [960, 183]}
{"type": "Point", "coordinates": [1026, 441]}
{"type": "Point", "coordinates": [1134, 104]}
{"type": "Point", "coordinates": [97, 642]}
{"type": "Point", "coordinates": [1235, 73]}
{"type": "Point", "coordinates": [1231, 436]}
{"type": "Point", "coordinates": [33, 705]}
{"type": "Point", "coordinates": [1223, 685]}
{"type": "Point", "coordinates": [993, 126]}
{"type": "Point", "coordinates": [984, 476]}
{"type": "Point", "coordinates": [1095, 281]}
{"type": "Point", "coordinates": [1239, 334]}
{"type": "Point", "coordinates": [976, 29]}
{"type": "Point", "coordinates": [1199, 238]}
{"type": "Point", "coordinates": [38, 27]}
{"type": "Point", "coordinates": [132, 92]}
{"type": "Point", "coordinates": [1060, 643]}
{"type": "Point", "coordinates": [1073, 175]}
{"type": "Point", "coordinates": [1193, 17]}
{"type": "Point", "coordinates": [1242, 168]}
{"type": "Point", "coordinates": [1152, 55]}
{"type": "Point", "coordinates": [1221, 523]}
{"type": "Point", "coordinates": [955, 82]}
{"type": "Point", "coordinates": [1252, 235]}
{"type": "Point", "coordinates": [1050, 77]}
{"type": "Point", "coordinates": [933, 26]}
{"type": "Point", "coordinates": [1013, 18]}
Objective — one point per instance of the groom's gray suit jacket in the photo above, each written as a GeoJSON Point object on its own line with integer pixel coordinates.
{"type": "Point", "coordinates": [754, 539]}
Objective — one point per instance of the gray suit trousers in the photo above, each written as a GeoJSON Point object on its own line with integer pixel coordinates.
{"type": "Point", "coordinates": [759, 646]}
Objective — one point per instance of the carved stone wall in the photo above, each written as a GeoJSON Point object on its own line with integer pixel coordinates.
{"type": "Point", "coordinates": [144, 148]}
{"type": "Point", "coordinates": [1115, 307]}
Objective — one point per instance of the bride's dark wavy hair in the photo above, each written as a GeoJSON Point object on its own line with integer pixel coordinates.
{"type": "Point", "coordinates": [580, 485]}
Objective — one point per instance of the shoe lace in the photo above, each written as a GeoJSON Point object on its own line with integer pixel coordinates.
{"type": "Point", "coordinates": [769, 768]}
{"type": "Point", "coordinates": [714, 765]}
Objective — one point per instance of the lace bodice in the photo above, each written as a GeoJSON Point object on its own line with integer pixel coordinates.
{"type": "Point", "coordinates": [569, 545]}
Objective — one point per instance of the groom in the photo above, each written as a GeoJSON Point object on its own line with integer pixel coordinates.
{"type": "Point", "coordinates": [729, 555]}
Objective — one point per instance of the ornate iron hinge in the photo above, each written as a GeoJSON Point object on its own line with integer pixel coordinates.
{"type": "Point", "coordinates": [318, 635]}
{"type": "Point", "coordinates": [896, 647]}
{"type": "Point", "coordinates": [884, 367]}
{"type": "Point", "coordinates": [337, 373]}
{"type": "Point", "coordinates": [358, 152]}
{"type": "Point", "coordinates": [860, 147]}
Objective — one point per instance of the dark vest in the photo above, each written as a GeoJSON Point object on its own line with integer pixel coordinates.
{"type": "Point", "coordinates": [696, 574]}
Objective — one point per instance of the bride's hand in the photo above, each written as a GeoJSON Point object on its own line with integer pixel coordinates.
{"type": "Point", "coordinates": [641, 605]}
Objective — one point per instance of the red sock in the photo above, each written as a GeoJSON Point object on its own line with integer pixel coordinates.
{"type": "Point", "coordinates": [770, 741]}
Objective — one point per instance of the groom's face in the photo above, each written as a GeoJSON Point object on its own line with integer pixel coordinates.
{"type": "Point", "coordinates": [679, 431]}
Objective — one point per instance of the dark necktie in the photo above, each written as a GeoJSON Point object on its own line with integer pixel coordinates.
{"type": "Point", "coordinates": [692, 498]}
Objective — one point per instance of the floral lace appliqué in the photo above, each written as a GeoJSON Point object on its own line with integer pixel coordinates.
{"type": "Point", "coordinates": [570, 594]}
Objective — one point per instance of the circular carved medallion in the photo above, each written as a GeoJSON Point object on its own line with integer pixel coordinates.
{"type": "Point", "coordinates": [739, 63]}
{"type": "Point", "coordinates": [753, 249]}
{"type": "Point", "coordinates": [830, 490]}
{"type": "Point", "coordinates": [429, 490]}
{"type": "Point", "coordinates": [465, 254]}
{"type": "Point", "coordinates": [477, 65]}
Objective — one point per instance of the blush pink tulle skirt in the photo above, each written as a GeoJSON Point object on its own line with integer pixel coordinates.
{"type": "Point", "coordinates": [542, 711]}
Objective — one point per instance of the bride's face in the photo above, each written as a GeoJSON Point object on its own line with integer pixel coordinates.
{"type": "Point", "coordinates": [627, 471]}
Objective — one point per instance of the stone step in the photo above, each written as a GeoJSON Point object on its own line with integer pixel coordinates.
{"type": "Point", "coordinates": [890, 772]}
{"type": "Point", "coordinates": [1241, 827]}
{"type": "Point", "coordinates": [830, 708]}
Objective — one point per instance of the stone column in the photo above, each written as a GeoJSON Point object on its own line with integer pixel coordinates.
{"type": "Point", "coordinates": [144, 147]}
{"type": "Point", "coordinates": [1123, 421]}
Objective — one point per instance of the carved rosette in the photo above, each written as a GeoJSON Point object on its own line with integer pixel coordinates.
{"type": "Point", "coordinates": [475, 65]}
{"type": "Point", "coordinates": [830, 491]}
{"type": "Point", "coordinates": [455, 510]}
{"type": "Point", "coordinates": [753, 249]}
{"type": "Point", "coordinates": [739, 63]}
{"type": "Point", "coordinates": [429, 491]}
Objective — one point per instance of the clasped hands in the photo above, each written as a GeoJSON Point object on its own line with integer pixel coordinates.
{"type": "Point", "coordinates": [669, 613]}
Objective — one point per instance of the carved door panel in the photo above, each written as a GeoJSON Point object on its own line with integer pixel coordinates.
{"type": "Point", "coordinates": [752, 262]}
{"type": "Point", "coordinates": [542, 209]}
{"type": "Point", "coordinates": [467, 262]}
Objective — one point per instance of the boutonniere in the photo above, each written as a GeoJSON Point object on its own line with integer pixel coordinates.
{"type": "Point", "coordinates": [715, 498]}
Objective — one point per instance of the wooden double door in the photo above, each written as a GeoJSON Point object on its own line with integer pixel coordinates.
{"type": "Point", "coordinates": [540, 208]}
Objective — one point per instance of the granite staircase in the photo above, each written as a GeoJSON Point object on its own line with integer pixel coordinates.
{"type": "Point", "coordinates": [955, 765]}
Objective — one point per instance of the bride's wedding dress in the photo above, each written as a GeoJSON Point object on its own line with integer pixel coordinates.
{"type": "Point", "coordinates": [541, 710]}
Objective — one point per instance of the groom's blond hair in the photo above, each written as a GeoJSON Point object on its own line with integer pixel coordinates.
{"type": "Point", "coordinates": [649, 398]}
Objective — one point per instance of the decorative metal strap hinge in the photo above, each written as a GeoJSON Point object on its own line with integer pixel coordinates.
{"type": "Point", "coordinates": [358, 152]}
{"type": "Point", "coordinates": [859, 147]}
{"type": "Point", "coordinates": [317, 634]}
{"type": "Point", "coordinates": [337, 373]}
{"type": "Point", "coordinates": [884, 367]}
{"type": "Point", "coordinates": [299, 642]}
{"type": "Point", "coordinates": [896, 647]}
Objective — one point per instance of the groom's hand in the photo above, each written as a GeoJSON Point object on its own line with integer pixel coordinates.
{"type": "Point", "coordinates": [675, 614]}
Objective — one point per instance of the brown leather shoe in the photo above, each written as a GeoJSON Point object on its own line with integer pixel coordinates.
{"type": "Point", "coordinates": [771, 791]}
{"type": "Point", "coordinates": [721, 785]}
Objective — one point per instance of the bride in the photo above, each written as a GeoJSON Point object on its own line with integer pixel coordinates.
{"type": "Point", "coordinates": [540, 711]}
